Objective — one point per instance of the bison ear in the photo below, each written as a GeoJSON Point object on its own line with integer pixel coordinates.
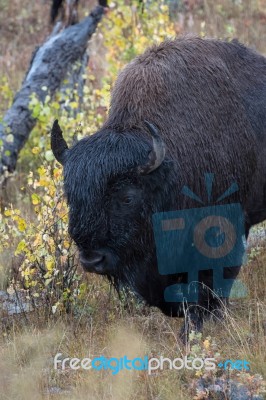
{"type": "Point", "coordinates": [157, 154]}
{"type": "Point", "coordinates": [58, 143]}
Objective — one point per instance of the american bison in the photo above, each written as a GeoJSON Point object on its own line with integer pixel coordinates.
{"type": "Point", "coordinates": [183, 109]}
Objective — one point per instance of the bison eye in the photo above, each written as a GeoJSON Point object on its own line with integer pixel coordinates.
{"type": "Point", "coordinates": [127, 200]}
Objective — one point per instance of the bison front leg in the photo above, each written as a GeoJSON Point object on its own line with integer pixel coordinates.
{"type": "Point", "coordinates": [193, 323]}
{"type": "Point", "coordinates": [210, 305]}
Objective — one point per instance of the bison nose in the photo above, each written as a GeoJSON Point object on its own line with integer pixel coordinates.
{"type": "Point", "coordinates": [94, 262]}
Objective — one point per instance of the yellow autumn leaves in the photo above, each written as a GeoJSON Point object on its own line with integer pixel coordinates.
{"type": "Point", "coordinates": [128, 32]}
{"type": "Point", "coordinates": [39, 238]}
{"type": "Point", "coordinates": [37, 233]}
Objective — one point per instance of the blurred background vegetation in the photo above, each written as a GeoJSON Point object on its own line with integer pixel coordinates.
{"type": "Point", "coordinates": [66, 310]}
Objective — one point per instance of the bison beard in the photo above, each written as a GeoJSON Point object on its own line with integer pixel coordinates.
{"type": "Point", "coordinates": [207, 99]}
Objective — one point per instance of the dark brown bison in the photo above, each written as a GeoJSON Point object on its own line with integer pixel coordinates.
{"type": "Point", "coordinates": [183, 109]}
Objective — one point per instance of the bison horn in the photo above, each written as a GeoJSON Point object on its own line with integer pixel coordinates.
{"type": "Point", "coordinates": [157, 154]}
{"type": "Point", "coordinates": [58, 143]}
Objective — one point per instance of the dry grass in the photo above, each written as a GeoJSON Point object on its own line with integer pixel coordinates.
{"type": "Point", "coordinates": [103, 325]}
{"type": "Point", "coordinates": [114, 329]}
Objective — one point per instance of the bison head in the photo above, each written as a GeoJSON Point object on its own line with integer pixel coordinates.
{"type": "Point", "coordinates": [114, 181]}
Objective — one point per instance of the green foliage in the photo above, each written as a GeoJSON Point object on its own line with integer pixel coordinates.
{"type": "Point", "coordinates": [6, 95]}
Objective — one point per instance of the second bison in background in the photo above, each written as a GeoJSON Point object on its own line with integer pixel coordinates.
{"type": "Point", "coordinates": [185, 109]}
